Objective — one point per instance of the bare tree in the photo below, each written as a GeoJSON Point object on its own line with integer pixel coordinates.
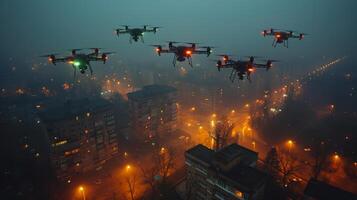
{"type": "Point", "coordinates": [131, 182]}
{"type": "Point", "coordinates": [150, 178]}
{"type": "Point", "coordinates": [222, 131]}
{"type": "Point", "coordinates": [289, 166]}
{"type": "Point", "coordinates": [272, 164]}
{"type": "Point", "coordinates": [320, 154]}
{"type": "Point", "coordinates": [165, 159]}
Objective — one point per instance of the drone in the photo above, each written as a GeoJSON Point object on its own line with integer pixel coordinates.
{"type": "Point", "coordinates": [183, 52]}
{"type": "Point", "coordinates": [136, 33]}
{"type": "Point", "coordinates": [80, 61]}
{"type": "Point", "coordinates": [282, 36]}
{"type": "Point", "coordinates": [242, 68]}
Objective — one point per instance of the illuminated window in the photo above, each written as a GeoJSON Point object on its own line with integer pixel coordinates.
{"type": "Point", "coordinates": [239, 194]}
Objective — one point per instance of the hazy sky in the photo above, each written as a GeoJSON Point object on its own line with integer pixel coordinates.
{"type": "Point", "coordinates": [33, 27]}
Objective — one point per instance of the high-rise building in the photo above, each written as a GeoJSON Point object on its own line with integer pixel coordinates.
{"type": "Point", "coordinates": [81, 134]}
{"type": "Point", "coordinates": [229, 173]}
{"type": "Point", "coordinates": [153, 111]}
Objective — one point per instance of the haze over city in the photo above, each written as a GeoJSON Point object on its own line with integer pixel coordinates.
{"type": "Point", "coordinates": [137, 121]}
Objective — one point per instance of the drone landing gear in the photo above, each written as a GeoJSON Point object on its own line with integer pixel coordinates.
{"type": "Point", "coordinates": [74, 74]}
{"type": "Point", "coordinates": [248, 77]}
{"type": "Point", "coordinates": [233, 75]}
{"type": "Point", "coordinates": [142, 39]}
{"type": "Point", "coordinates": [286, 43]}
{"type": "Point", "coordinates": [90, 69]}
{"type": "Point", "coordinates": [130, 40]}
{"type": "Point", "coordinates": [275, 43]}
{"type": "Point", "coordinates": [174, 61]}
{"type": "Point", "coordinates": [190, 61]}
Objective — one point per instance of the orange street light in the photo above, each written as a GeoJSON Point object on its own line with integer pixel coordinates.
{"type": "Point", "coordinates": [81, 190]}
{"type": "Point", "coordinates": [290, 144]}
{"type": "Point", "coordinates": [128, 167]}
{"type": "Point", "coordinates": [336, 157]}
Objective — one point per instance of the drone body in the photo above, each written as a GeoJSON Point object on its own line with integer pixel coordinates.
{"type": "Point", "coordinates": [136, 33]}
{"type": "Point", "coordinates": [282, 36]}
{"type": "Point", "coordinates": [182, 52]}
{"type": "Point", "coordinates": [242, 68]}
{"type": "Point", "coordinates": [80, 61]}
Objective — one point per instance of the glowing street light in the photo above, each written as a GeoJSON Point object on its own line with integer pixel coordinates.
{"type": "Point", "coordinates": [128, 167]}
{"type": "Point", "coordinates": [336, 157]}
{"type": "Point", "coordinates": [290, 144]}
{"type": "Point", "coordinates": [81, 190]}
{"type": "Point", "coordinates": [162, 150]}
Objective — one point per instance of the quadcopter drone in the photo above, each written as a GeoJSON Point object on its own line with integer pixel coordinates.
{"type": "Point", "coordinates": [136, 33]}
{"type": "Point", "coordinates": [80, 61]}
{"type": "Point", "coordinates": [241, 68]}
{"type": "Point", "coordinates": [183, 52]}
{"type": "Point", "coordinates": [282, 36]}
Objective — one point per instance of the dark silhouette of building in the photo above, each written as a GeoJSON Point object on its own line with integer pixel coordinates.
{"type": "Point", "coordinates": [229, 173]}
{"type": "Point", "coordinates": [81, 135]}
{"type": "Point", "coordinates": [318, 190]}
{"type": "Point", "coordinates": [153, 111]}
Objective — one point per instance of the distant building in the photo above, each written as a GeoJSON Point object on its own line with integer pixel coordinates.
{"type": "Point", "coordinates": [153, 111]}
{"type": "Point", "coordinates": [81, 134]}
{"type": "Point", "coordinates": [229, 173]}
{"type": "Point", "coordinates": [318, 190]}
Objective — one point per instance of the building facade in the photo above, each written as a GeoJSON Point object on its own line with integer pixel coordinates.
{"type": "Point", "coordinates": [229, 173]}
{"type": "Point", "coordinates": [153, 111]}
{"type": "Point", "coordinates": [81, 135]}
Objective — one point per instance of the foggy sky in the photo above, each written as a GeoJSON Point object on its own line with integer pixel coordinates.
{"type": "Point", "coordinates": [34, 27]}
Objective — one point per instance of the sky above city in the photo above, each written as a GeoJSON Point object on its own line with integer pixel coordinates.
{"type": "Point", "coordinates": [36, 27]}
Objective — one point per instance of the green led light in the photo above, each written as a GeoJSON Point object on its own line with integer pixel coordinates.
{"type": "Point", "coordinates": [76, 63]}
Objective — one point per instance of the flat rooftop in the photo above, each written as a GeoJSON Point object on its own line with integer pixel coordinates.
{"type": "Point", "coordinates": [245, 176]}
{"type": "Point", "coordinates": [202, 153]}
{"type": "Point", "coordinates": [321, 190]}
{"type": "Point", "coordinates": [150, 91]}
{"type": "Point", "coordinates": [241, 174]}
{"type": "Point", "coordinates": [72, 108]}
{"type": "Point", "coordinates": [233, 151]}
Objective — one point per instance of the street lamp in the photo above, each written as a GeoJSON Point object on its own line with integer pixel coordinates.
{"type": "Point", "coordinates": [290, 145]}
{"type": "Point", "coordinates": [81, 189]}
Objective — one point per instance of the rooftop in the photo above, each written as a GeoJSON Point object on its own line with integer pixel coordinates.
{"type": "Point", "coordinates": [246, 176]}
{"type": "Point", "coordinates": [240, 174]}
{"type": "Point", "coordinates": [201, 152]}
{"type": "Point", "coordinates": [233, 151]}
{"type": "Point", "coordinates": [71, 108]}
{"type": "Point", "coordinates": [151, 91]}
{"type": "Point", "coordinates": [321, 190]}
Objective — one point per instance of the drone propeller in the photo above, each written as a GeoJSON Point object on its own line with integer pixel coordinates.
{"type": "Point", "coordinates": [269, 63]}
{"type": "Point", "coordinates": [155, 28]}
{"type": "Point", "coordinates": [74, 51]}
{"type": "Point", "coordinates": [96, 50]}
{"type": "Point", "coordinates": [105, 56]}
{"type": "Point", "coordinates": [252, 58]}
{"type": "Point", "coordinates": [125, 26]}
{"type": "Point", "coordinates": [48, 55]}
{"type": "Point", "coordinates": [191, 42]}
{"type": "Point", "coordinates": [302, 35]}
{"type": "Point", "coordinates": [51, 58]}
{"type": "Point", "coordinates": [173, 42]}
{"type": "Point", "coordinates": [225, 57]}
{"type": "Point", "coordinates": [158, 48]}
{"type": "Point", "coordinates": [208, 49]}
{"type": "Point", "coordinates": [109, 53]}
